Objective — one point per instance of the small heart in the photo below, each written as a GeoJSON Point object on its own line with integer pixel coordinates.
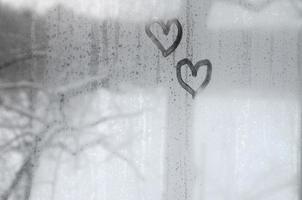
{"type": "Point", "coordinates": [194, 70]}
{"type": "Point", "coordinates": [166, 29]}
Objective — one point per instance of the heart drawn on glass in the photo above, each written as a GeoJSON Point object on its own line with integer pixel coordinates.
{"type": "Point", "coordinates": [166, 29]}
{"type": "Point", "coordinates": [194, 70]}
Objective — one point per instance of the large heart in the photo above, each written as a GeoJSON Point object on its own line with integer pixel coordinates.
{"type": "Point", "coordinates": [166, 29]}
{"type": "Point", "coordinates": [194, 70]}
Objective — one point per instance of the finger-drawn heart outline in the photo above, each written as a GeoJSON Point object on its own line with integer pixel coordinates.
{"type": "Point", "coordinates": [166, 29]}
{"type": "Point", "coordinates": [194, 70]}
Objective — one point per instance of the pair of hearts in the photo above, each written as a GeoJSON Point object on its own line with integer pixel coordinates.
{"type": "Point", "coordinates": [166, 52]}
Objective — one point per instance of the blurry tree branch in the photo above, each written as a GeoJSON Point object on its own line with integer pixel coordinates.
{"type": "Point", "coordinates": [22, 58]}
{"type": "Point", "coordinates": [45, 133]}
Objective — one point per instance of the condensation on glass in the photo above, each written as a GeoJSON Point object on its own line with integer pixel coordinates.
{"type": "Point", "coordinates": [91, 109]}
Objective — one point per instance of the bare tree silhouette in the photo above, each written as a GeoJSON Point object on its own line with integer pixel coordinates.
{"type": "Point", "coordinates": [28, 133]}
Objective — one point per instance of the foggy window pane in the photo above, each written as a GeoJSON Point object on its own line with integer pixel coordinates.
{"type": "Point", "coordinates": [150, 99]}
